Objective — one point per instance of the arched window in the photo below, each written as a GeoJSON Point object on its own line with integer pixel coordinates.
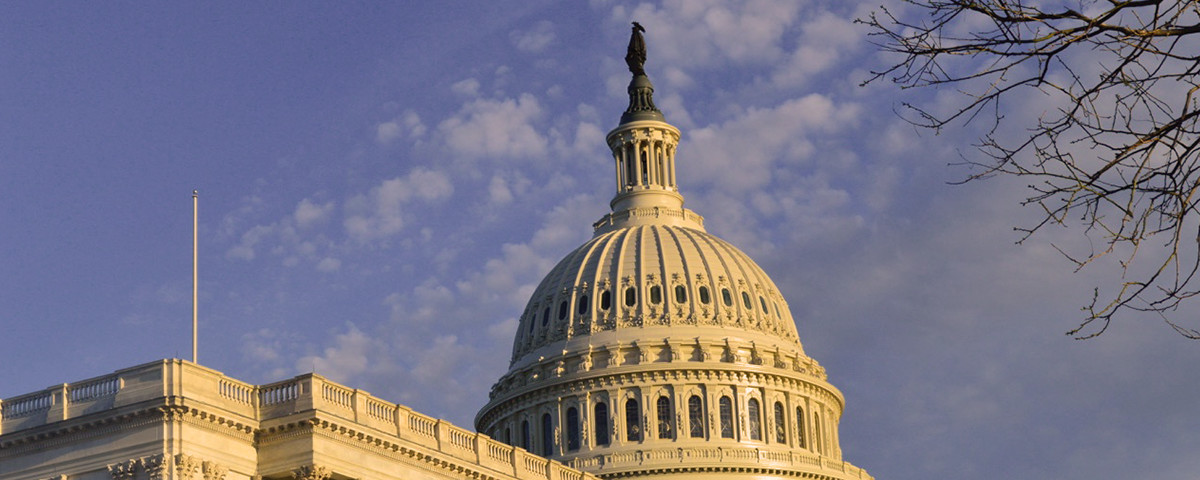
{"type": "Point", "coordinates": [583, 304]}
{"type": "Point", "coordinates": [704, 295]}
{"type": "Point", "coordinates": [726, 297]}
{"type": "Point", "coordinates": [573, 439]}
{"type": "Point", "coordinates": [633, 421]}
{"type": "Point", "coordinates": [630, 296]}
{"type": "Point", "coordinates": [508, 435]}
{"type": "Point", "coordinates": [525, 434]}
{"type": "Point", "coordinates": [726, 412]}
{"type": "Point", "coordinates": [680, 294]}
{"type": "Point", "coordinates": [817, 437]}
{"type": "Point", "coordinates": [630, 172]}
{"type": "Point", "coordinates": [746, 301]}
{"type": "Point", "coordinates": [800, 427]}
{"type": "Point", "coordinates": [753, 416]}
{"type": "Point", "coordinates": [547, 435]}
{"type": "Point", "coordinates": [655, 294]}
{"type": "Point", "coordinates": [696, 417]}
{"type": "Point", "coordinates": [600, 422]}
{"type": "Point", "coordinates": [780, 424]}
{"type": "Point", "coordinates": [605, 300]}
{"type": "Point", "coordinates": [665, 417]}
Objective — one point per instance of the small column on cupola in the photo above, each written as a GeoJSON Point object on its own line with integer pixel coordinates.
{"type": "Point", "coordinates": [643, 145]}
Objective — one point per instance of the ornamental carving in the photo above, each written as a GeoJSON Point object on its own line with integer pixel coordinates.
{"type": "Point", "coordinates": [311, 472]}
{"type": "Point", "coordinates": [126, 470]}
{"type": "Point", "coordinates": [185, 466]}
{"type": "Point", "coordinates": [213, 470]}
{"type": "Point", "coordinates": [156, 466]}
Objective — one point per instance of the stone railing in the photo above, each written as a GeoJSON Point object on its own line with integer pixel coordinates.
{"type": "Point", "coordinates": [153, 383]}
{"type": "Point", "coordinates": [718, 457]}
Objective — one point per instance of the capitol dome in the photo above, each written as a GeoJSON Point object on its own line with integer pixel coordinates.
{"type": "Point", "coordinates": [659, 350]}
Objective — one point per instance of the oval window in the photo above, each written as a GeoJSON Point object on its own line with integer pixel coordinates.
{"type": "Point", "coordinates": [746, 301]}
{"type": "Point", "coordinates": [680, 293]}
{"type": "Point", "coordinates": [762, 301]}
{"type": "Point", "coordinates": [562, 310]}
{"type": "Point", "coordinates": [704, 295]}
{"type": "Point", "coordinates": [583, 304]}
{"type": "Point", "coordinates": [726, 297]}
{"type": "Point", "coordinates": [605, 300]}
{"type": "Point", "coordinates": [655, 295]}
{"type": "Point", "coordinates": [630, 296]}
{"type": "Point", "coordinates": [545, 316]}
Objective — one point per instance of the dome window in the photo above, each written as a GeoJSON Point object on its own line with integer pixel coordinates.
{"type": "Point", "coordinates": [680, 293]}
{"type": "Point", "coordinates": [605, 300]}
{"type": "Point", "coordinates": [726, 412]}
{"type": "Point", "coordinates": [752, 411]}
{"type": "Point", "coordinates": [696, 416]}
{"type": "Point", "coordinates": [665, 415]}
{"type": "Point", "coordinates": [630, 296]}
{"type": "Point", "coordinates": [704, 295]}
{"type": "Point", "coordinates": [777, 314]}
{"type": "Point", "coordinates": [547, 435]}
{"type": "Point", "coordinates": [545, 316]}
{"type": "Point", "coordinates": [762, 301]}
{"type": "Point", "coordinates": [746, 301]}
{"type": "Point", "coordinates": [780, 424]}
{"type": "Point", "coordinates": [525, 434]}
{"type": "Point", "coordinates": [726, 297]}
{"type": "Point", "coordinates": [573, 437]}
{"type": "Point", "coordinates": [800, 428]}
{"type": "Point", "coordinates": [562, 310]}
{"type": "Point", "coordinates": [583, 304]}
{"type": "Point", "coordinates": [655, 294]}
{"type": "Point", "coordinates": [633, 421]}
{"type": "Point", "coordinates": [532, 321]}
{"type": "Point", "coordinates": [601, 420]}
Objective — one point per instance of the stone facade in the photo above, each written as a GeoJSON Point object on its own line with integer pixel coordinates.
{"type": "Point", "coordinates": [175, 420]}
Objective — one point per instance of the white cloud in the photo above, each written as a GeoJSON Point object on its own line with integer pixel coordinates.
{"type": "Point", "coordinates": [534, 40]}
{"type": "Point", "coordinates": [329, 264]}
{"type": "Point", "coordinates": [245, 250]}
{"type": "Point", "coordinates": [308, 213]}
{"type": "Point", "coordinates": [345, 359]}
{"type": "Point", "coordinates": [468, 87]}
{"type": "Point", "coordinates": [380, 214]}
{"type": "Point", "coordinates": [498, 192]}
{"type": "Point", "coordinates": [408, 124]}
{"type": "Point", "coordinates": [496, 128]}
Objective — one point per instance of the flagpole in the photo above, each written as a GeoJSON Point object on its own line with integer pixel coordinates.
{"type": "Point", "coordinates": [195, 265]}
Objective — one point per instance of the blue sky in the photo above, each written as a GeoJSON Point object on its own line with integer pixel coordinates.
{"type": "Point", "coordinates": [383, 185]}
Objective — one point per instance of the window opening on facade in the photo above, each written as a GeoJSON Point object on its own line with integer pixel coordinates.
{"type": "Point", "coordinates": [726, 297]}
{"type": "Point", "coordinates": [547, 435]}
{"type": "Point", "coordinates": [800, 427]}
{"type": "Point", "coordinates": [562, 310]}
{"type": "Point", "coordinates": [573, 439]}
{"type": "Point", "coordinates": [633, 421]}
{"type": "Point", "coordinates": [546, 316]}
{"type": "Point", "coordinates": [704, 295]}
{"type": "Point", "coordinates": [532, 320]}
{"type": "Point", "coordinates": [583, 304]}
{"type": "Point", "coordinates": [525, 434]}
{"type": "Point", "coordinates": [630, 296]}
{"type": "Point", "coordinates": [753, 416]}
{"type": "Point", "coordinates": [665, 417]}
{"type": "Point", "coordinates": [762, 301]}
{"type": "Point", "coordinates": [655, 294]}
{"type": "Point", "coordinates": [780, 424]}
{"type": "Point", "coordinates": [508, 435]}
{"type": "Point", "coordinates": [600, 419]}
{"type": "Point", "coordinates": [605, 300]}
{"type": "Point", "coordinates": [746, 301]}
{"type": "Point", "coordinates": [696, 416]}
{"type": "Point", "coordinates": [726, 413]}
{"type": "Point", "coordinates": [680, 294]}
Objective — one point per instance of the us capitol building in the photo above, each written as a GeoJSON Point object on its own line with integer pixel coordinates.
{"type": "Point", "coordinates": [654, 350]}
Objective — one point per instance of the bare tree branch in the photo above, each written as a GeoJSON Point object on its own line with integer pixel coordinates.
{"type": "Point", "coordinates": [1116, 153]}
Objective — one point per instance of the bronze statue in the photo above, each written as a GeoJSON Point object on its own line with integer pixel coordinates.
{"type": "Point", "coordinates": [635, 56]}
